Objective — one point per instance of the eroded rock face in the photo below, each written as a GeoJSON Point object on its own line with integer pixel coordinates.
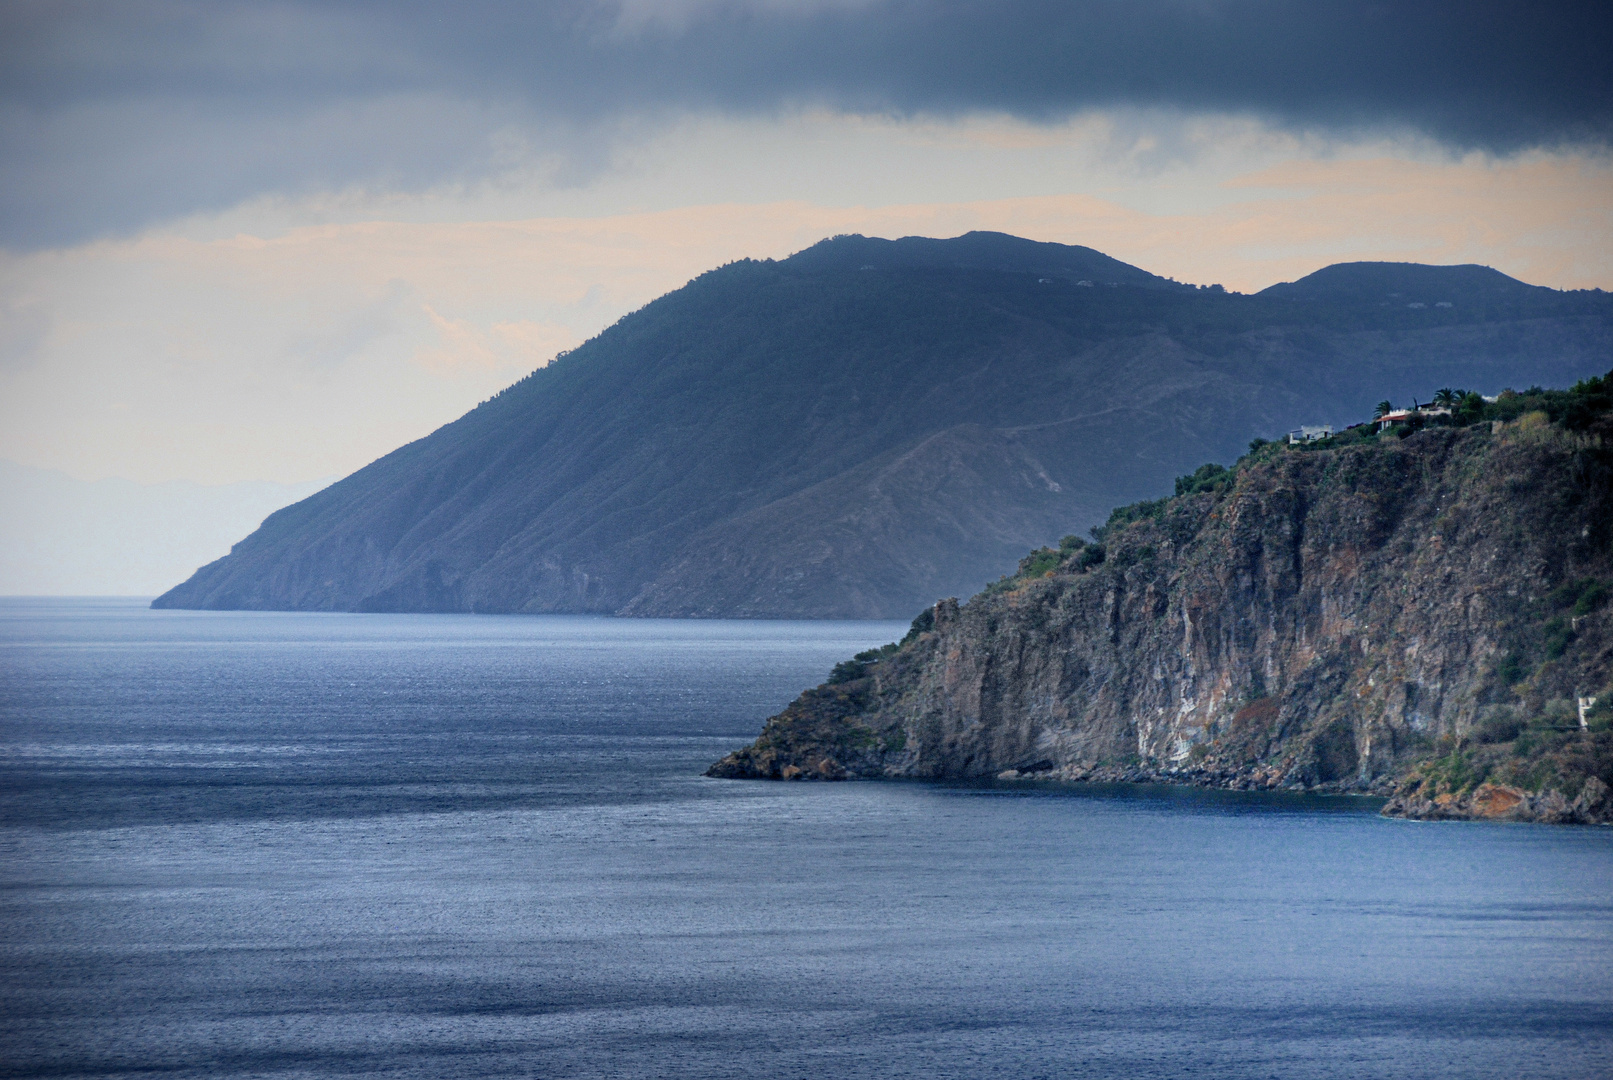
{"type": "Point", "coordinates": [1329, 622]}
{"type": "Point", "coordinates": [1498, 802]}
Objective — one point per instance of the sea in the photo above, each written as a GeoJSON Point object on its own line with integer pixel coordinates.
{"type": "Point", "coordinates": [333, 845]}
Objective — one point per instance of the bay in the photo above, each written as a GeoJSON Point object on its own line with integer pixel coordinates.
{"type": "Point", "coordinates": [274, 844]}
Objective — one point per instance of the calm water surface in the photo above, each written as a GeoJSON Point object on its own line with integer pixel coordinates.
{"type": "Point", "coordinates": [437, 846]}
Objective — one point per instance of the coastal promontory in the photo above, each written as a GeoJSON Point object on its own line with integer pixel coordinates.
{"type": "Point", "coordinates": [1420, 607]}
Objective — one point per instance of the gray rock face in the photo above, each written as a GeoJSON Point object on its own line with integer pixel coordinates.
{"type": "Point", "coordinates": [1335, 621]}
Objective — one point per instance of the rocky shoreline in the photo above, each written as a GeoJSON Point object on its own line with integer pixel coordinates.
{"type": "Point", "coordinates": [1487, 802]}
{"type": "Point", "coordinates": [1426, 620]}
{"type": "Point", "coordinates": [1500, 802]}
{"type": "Point", "coordinates": [1249, 778]}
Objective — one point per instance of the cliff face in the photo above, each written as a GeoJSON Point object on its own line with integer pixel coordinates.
{"type": "Point", "coordinates": [1416, 618]}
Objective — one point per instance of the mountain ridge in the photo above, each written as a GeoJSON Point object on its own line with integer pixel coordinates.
{"type": "Point", "coordinates": [662, 467]}
{"type": "Point", "coordinates": [977, 250]}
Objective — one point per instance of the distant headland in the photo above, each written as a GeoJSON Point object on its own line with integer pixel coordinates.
{"type": "Point", "coordinates": [869, 424]}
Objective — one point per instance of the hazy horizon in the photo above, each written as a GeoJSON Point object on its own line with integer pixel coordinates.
{"type": "Point", "coordinates": [60, 536]}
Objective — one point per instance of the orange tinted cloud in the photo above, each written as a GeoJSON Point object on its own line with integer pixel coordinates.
{"type": "Point", "coordinates": [315, 351]}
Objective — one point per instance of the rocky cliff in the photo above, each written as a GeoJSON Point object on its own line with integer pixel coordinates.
{"type": "Point", "coordinates": [1419, 617]}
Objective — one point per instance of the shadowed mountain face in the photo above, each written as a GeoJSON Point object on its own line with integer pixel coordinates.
{"type": "Point", "coordinates": [871, 424]}
{"type": "Point", "coordinates": [1395, 285]}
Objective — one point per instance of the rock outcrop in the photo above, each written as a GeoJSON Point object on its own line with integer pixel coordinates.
{"type": "Point", "coordinates": [1418, 617]}
{"type": "Point", "coordinates": [1500, 802]}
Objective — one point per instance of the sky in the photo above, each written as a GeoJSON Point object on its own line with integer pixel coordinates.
{"type": "Point", "coordinates": [270, 242]}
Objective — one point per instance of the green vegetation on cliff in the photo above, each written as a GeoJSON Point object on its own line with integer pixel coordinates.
{"type": "Point", "coordinates": [1422, 612]}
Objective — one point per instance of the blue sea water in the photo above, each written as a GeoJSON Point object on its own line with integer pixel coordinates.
{"type": "Point", "coordinates": [283, 845]}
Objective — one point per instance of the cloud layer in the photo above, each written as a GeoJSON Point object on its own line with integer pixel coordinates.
{"type": "Point", "coordinates": [115, 117]}
{"type": "Point", "coordinates": [313, 352]}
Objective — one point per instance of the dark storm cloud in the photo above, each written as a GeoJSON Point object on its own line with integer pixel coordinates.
{"type": "Point", "coordinates": [117, 115]}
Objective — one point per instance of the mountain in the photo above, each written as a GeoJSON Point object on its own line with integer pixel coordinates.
{"type": "Point", "coordinates": [1412, 285]}
{"type": "Point", "coordinates": [864, 426]}
{"type": "Point", "coordinates": [976, 251]}
{"type": "Point", "coordinates": [1421, 614]}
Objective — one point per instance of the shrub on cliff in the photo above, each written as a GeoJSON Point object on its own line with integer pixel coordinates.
{"type": "Point", "coordinates": [847, 671]}
{"type": "Point", "coordinates": [1576, 408]}
{"type": "Point", "coordinates": [1121, 516]}
{"type": "Point", "coordinates": [874, 656]}
{"type": "Point", "coordinates": [1207, 477]}
{"type": "Point", "coordinates": [1038, 562]}
{"type": "Point", "coordinates": [923, 623]}
{"type": "Point", "coordinates": [1580, 597]}
{"type": "Point", "coordinates": [1499, 724]}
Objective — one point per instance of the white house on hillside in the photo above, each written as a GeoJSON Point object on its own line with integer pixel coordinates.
{"type": "Point", "coordinates": [1310, 433]}
{"type": "Point", "coordinates": [1400, 416]}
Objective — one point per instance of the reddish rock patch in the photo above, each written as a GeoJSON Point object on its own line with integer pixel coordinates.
{"type": "Point", "coordinates": [1495, 800]}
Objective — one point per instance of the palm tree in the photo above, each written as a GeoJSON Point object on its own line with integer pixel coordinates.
{"type": "Point", "coordinates": [1446, 396]}
{"type": "Point", "coordinates": [1384, 409]}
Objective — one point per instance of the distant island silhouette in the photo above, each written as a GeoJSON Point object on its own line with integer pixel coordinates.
{"type": "Point", "coordinates": [870, 424]}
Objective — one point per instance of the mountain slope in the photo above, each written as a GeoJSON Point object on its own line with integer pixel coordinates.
{"type": "Point", "coordinates": [1412, 286]}
{"type": "Point", "coordinates": [857, 429]}
{"type": "Point", "coordinates": [1420, 617]}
